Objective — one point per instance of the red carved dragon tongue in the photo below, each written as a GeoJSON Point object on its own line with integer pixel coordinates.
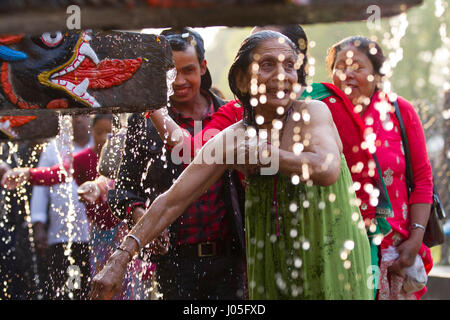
{"type": "Point", "coordinates": [105, 74]}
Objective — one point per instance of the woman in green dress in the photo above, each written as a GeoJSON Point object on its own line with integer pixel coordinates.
{"type": "Point", "coordinates": [305, 236]}
{"type": "Point", "coordinates": [312, 246]}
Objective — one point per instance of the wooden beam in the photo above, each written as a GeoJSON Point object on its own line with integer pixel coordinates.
{"type": "Point", "coordinates": [103, 15]}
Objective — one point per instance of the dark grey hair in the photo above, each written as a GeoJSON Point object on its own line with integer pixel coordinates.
{"type": "Point", "coordinates": [243, 60]}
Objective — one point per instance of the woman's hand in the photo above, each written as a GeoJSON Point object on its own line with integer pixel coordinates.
{"type": "Point", "coordinates": [243, 152]}
{"type": "Point", "coordinates": [109, 281]}
{"type": "Point", "coordinates": [89, 192]}
{"type": "Point", "coordinates": [16, 177]}
{"type": "Point", "coordinates": [407, 251]}
{"type": "Point", "coordinates": [105, 184]}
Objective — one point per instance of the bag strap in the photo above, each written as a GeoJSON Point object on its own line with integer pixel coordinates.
{"type": "Point", "coordinates": [409, 173]}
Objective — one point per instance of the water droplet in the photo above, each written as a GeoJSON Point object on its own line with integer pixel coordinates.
{"type": "Point", "coordinates": [349, 245]}
{"type": "Point", "coordinates": [298, 263]}
{"type": "Point", "coordinates": [259, 119]}
{"type": "Point", "coordinates": [331, 197]}
{"type": "Point", "coordinates": [293, 207]}
{"type": "Point", "coordinates": [306, 245]}
{"type": "Point", "coordinates": [293, 233]}
{"type": "Point", "coordinates": [280, 110]}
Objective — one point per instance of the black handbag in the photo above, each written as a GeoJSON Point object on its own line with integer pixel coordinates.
{"type": "Point", "coordinates": [434, 234]}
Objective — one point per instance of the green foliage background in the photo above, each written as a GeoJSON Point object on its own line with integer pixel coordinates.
{"type": "Point", "coordinates": [413, 76]}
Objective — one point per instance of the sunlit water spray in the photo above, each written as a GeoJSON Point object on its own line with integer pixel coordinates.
{"type": "Point", "coordinates": [27, 212]}
{"type": "Point", "coordinates": [34, 159]}
{"type": "Point", "coordinates": [170, 78]}
{"type": "Point", "coordinates": [64, 147]}
{"type": "Point", "coordinates": [21, 195]}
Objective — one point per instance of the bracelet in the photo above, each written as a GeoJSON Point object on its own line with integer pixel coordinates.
{"type": "Point", "coordinates": [417, 226]}
{"type": "Point", "coordinates": [136, 239]}
{"type": "Point", "coordinates": [125, 250]}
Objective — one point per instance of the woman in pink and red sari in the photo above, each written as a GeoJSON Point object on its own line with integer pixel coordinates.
{"type": "Point", "coordinates": [355, 64]}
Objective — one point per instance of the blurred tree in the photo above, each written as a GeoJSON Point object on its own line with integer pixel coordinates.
{"type": "Point", "coordinates": [421, 73]}
{"type": "Point", "coordinates": [422, 51]}
{"type": "Point", "coordinates": [221, 54]}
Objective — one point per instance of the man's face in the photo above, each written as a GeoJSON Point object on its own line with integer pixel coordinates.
{"type": "Point", "coordinates": [189, 73]}
{"type": "Point", "coordinates": [100, 131]}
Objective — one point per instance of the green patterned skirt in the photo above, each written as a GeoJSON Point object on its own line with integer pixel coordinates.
{"type": "Point", "coordinates": [312, 246]}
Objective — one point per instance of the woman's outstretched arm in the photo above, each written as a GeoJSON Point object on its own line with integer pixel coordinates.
{"type": "Point", "coordinates": [172, 134]}
{"type": "Point", "coordinates": [197, 178]}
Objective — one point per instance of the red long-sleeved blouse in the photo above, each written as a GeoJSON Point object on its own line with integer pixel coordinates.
{"type": "Point", "coordinates": [84, 169]}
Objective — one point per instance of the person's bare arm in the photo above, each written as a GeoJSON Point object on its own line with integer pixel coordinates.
{"type": "Point", "coordinates": [169, 131]}
{"type": "Point", "coordinates": [197, 178]}
{"type": "Point", "coordinates": [193, 182]}
{"type": "Point", "coordinates": [319, 161]}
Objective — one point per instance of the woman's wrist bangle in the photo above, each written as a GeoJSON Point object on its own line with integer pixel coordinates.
{"type": "Point", "coordinates": [136, 239]}
{"type": "Point", "coordinates": [416, 226]}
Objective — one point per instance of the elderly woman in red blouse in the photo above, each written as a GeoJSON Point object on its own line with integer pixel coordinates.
{"type": "Point", "coordinates": [355, 64]}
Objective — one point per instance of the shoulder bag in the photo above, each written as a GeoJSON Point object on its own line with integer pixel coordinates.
{"type": "Point", "coordinates": [434, 234]}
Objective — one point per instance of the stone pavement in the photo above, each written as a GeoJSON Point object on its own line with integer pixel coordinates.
{"type": "Point", "coordinates": [438, 284]}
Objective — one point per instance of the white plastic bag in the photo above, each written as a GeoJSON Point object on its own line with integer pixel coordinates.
{"type": "Point", "coordinates": [416, 276]}
{"type": "Point", "coordinates": [389, 254]}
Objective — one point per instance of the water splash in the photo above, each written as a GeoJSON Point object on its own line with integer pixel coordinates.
{"type": "Point", "coordinates": [64, 147]}
{"type": "Point", "coordinates": [22, 201]}
{"type": "Point", "coordinates": [170, 79]}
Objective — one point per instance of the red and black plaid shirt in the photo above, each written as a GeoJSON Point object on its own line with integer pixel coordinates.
{"type": "Point", "coordinates": [205, 219]}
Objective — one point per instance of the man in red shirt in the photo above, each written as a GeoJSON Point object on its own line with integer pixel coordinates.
{"type": "Point", "coordinates": [206, 258]}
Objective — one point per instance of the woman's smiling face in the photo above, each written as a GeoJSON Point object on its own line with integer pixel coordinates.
{"type": "Point", "coordinates": [273, 67]}
{"type": "Point", "coordinates": [354, 74]}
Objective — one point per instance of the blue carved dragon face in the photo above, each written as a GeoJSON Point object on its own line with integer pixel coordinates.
{"type": "Point", "coordinates": [35, 64]}
{"type": "Point", "coordinates": [79, 70]}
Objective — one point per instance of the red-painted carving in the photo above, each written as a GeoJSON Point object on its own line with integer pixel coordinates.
{"type": "Point", "coordinates": [106, 74]}
{"type": "Point", "coordinates": [7, 89]}
{"type": "Point", "coordinates": [16, 121]}
{"type": "Point", "coordinates": [10, 38]}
